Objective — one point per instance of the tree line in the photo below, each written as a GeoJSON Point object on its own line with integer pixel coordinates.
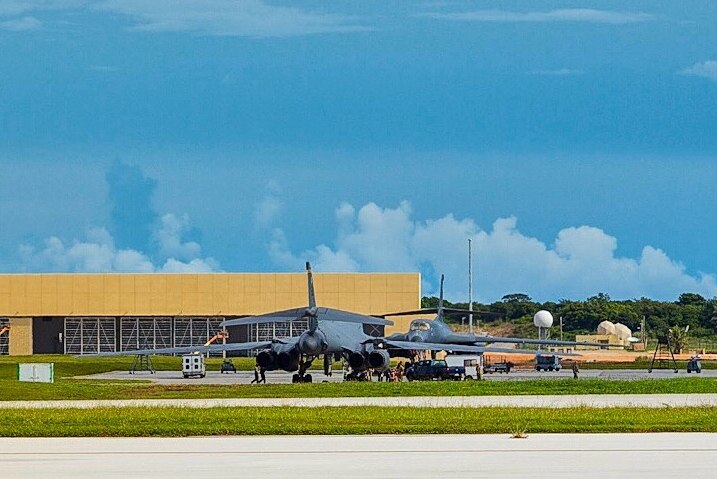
{"type": "Point", "coordinates": [583, 316]}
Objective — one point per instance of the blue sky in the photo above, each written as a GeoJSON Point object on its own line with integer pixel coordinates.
{"type": "Point", "coordinates": [574, 141]}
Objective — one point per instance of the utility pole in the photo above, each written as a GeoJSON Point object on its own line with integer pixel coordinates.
{"type": "Point", "coordinates": [561, 328]}
{"type": "Point", "coordinates": [470, 287]}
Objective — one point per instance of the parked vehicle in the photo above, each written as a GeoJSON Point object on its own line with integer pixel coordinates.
{"type": "Point", "coordinates": [694, 365]}
{"type": "Point", "coordinates": [470, 363]}
{"type": "Point", "coordinates": [547, 362]}
{"type": "Point", "coordinates": [228, 367]}
{"type": "Point", "coordinates": [193, 365]}
{"type": "Point", "coordinates": [438, 369]}
{"type": "Point", "coordinates": [502, 366]}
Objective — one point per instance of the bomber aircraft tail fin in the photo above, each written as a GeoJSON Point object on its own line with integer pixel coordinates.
{"type": "Point", "coordinates": [439, 316]}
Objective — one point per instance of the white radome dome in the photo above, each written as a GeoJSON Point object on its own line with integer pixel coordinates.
{"type": "Point", "coordinates": [606, 327]}
{"type": "Point", "coordinates": [623, 332]}
{"type": "Point", "coordinates": [543, 319]}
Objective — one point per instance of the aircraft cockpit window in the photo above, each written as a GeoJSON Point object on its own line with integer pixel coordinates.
{"type": "Point", "coordinates": [420, 326]}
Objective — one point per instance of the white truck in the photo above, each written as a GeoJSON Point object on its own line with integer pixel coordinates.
{"type": "Point", "coordinates": [469, 361]}
{"type": "Point", "coordinates": [193, 365]}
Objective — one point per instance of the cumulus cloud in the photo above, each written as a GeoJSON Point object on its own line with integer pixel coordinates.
{"type": "Point", "coordinates": [706, 69]}
{"type": "Point", "coordinates": [269, 207]}
{"type": "Point", "coordinates": [21, 24]}
{"type": "Point", "coordinates": [251, 18]}
{"type": "Point", "coordinates": [97, 253]}
{"type": "Point", "coordinates": [581, 261]}
{"type": "Point", "coordinates": [584, 15]}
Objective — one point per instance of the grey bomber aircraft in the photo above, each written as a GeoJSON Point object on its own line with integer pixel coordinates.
{"type": "Point", "coordinates": [436, 331]}
{"type": "Point", "coordinates": [332, 334]}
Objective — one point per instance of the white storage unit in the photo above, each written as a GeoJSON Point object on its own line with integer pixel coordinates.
{"type": "Point", "coordinates": [36, 372]}
{"type": "Point", "coordinates": [193, 365]}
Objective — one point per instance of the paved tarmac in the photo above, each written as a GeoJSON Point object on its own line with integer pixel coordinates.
{"type": "Point", "coordinates": [547, 401]}
{"type": "Point", "coordinates": [638, 456]}
{"type": "Point", "coordinates": [281, 377]}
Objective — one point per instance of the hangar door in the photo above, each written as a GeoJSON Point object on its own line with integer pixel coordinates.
{"type": "Point", "coordinates": [145, 333]}
{"type": "Point", "coordinates": [89, 335]}
{"type": "Point", "coordinates": [4, 335]}
{"type": "Point", "coordinates": [195, 331]}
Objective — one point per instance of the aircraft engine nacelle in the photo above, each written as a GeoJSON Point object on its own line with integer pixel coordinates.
{"type": "Point", "coordinates": [357, 361]}
{"type": "Point", "coordinates": [379, 359]}
{"type": "Point", "coordinates": [288, 360]}
{"type": "Point", "coordinates": [267, 360]}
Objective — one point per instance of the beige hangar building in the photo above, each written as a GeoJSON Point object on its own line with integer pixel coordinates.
{"type": "Point", "coordinates": [87, 313]}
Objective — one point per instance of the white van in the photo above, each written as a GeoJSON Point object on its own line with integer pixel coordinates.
{"type": "Point", "coordinates": [193, 365]}
{"type": "Point", "coordinates": [469, 361]}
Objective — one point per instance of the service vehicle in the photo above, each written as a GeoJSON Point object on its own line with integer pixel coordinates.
{"type": "Point", "coordinates": [694, 365]}
{"type": "Point", "coordinates": [470, 363]}
{"type": "Point", "coordinates": [193, 365]}
{"type": "Point", "coordinates": [501, 366]}
{"type": "Point", "coordinates": [431, 369]}
{"type": "Point", "coordinates": [228, 367]}
{"type": "Point", "coordinates": [547, 362]}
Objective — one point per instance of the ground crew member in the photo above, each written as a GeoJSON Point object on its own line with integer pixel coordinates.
{"type": "Point", "coordinates": [262, 373]}
{"type": "Point", "coordinates": [256, 375]}
{"type": "Point", "coordinates": [576, 369]}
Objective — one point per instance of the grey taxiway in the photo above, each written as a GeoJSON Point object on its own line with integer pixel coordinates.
{"type": "Point", "coordinates": [638, 456]}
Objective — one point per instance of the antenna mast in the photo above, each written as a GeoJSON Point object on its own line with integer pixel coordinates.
{"type": "Point", "coordinates": [470, 287]}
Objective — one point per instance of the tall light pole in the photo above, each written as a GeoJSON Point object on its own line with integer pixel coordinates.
{"type": "Point", "coordinates": [470, 287]}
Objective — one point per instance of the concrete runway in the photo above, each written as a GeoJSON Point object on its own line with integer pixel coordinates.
{"type": "Point", "coordinates": [281, 377]}
{"type": "Point", "coordinates": [638, 456]}
{"type": "Point", "coordinates": [543, 401]}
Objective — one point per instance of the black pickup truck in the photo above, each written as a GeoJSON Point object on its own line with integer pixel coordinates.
{"type": "Point", "coordinates": [434, 369]}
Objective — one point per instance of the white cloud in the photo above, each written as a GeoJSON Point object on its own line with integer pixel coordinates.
{"type": "Point", "coordinates": [581, 263]}
{"type": "Point", "coordinates": [169, 238]}
{"type": "Point", "coordinates": [97, 253]}
{"type": "Point", "coordinates": [17, 7]}
{"type": "Point", "coordinates": [21, 24]}
{"type": "Point", "coordinates": [269, 207]}
{"type": "Point", "coordinates": [558, 72]}
{"type": "Point", "coordinates": [585, 15]}
{"type": "Point", "coordinates": [706, 69]}
{"type": "Point", "coordinates": [251, 18]}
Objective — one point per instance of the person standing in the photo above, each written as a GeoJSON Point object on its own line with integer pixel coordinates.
{"type": "Point", "coordinates": [256, 375]}
{"type": "Point", "coordinates": [576, 369]}
{"type": "Point", "coordinates": [262, 373]}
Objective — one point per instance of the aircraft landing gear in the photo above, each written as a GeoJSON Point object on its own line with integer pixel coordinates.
{"type": "Point", "coordinates": [306, 378]}
{"type": "Point", "coordinates": [301, 376]}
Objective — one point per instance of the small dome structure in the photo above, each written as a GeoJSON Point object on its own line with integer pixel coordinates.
{"type": "Point", "coordinates": [543, 319]}
{"type": "Point", "coordinates": [623, 332]}
{"type": "Point", "coordinates": [606, 327]}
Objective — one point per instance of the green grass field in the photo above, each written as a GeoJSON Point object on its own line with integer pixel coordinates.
{"type": "Point", "coordinates": [67, 366]}
{"type": "Point", "coordinates": [83, 389]}
{"type": "Point", "coordinates": [345, 420]}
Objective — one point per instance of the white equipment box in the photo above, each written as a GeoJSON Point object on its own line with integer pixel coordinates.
{"type": "Point", "coordinates": [193, 365]}
{"type": "Point", "coordinates": [36, 372]}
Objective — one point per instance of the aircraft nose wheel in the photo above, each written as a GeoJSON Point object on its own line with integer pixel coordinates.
{"type": "Point", "coordinates": [306, 378]}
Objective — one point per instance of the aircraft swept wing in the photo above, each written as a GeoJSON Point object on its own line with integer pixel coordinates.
{"type": "Point", "coordinates": [548, 342]}
{"type": "Point", "coordinates": [462, 348]}
{"type": "Point", "coordinates": [321, 314]}
{"type": "Point", "coordinates": [212, 348]}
